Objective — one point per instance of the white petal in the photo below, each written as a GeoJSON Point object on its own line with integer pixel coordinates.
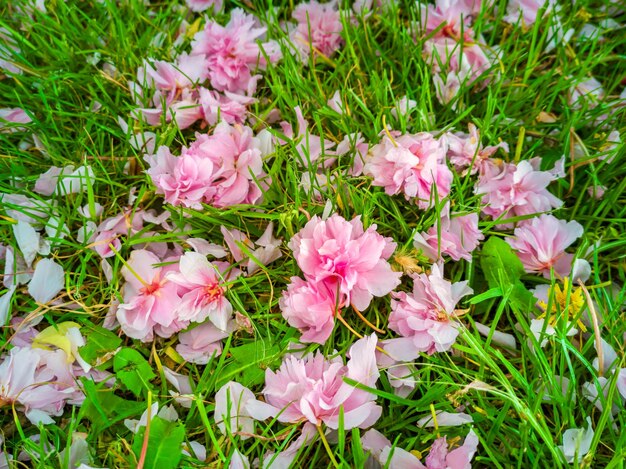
{"type": "Point", "coordinates": [47, 281]}
{"type": "Point", "coordinates": [5, 303]}
{"type": "Point", "coordinates": [28, 240]}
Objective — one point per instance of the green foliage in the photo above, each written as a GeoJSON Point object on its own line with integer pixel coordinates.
{"type": "Point", "coordinates": [133, 371]}
{"type": "Point", "coordinates": [100, 343]}
{"type": "Point", "coordinates": [164, 444]}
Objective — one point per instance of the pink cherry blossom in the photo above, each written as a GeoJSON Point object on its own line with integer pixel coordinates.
{"type": "Point", "coordinates": [411, 165]}
{"type": "Point", "coordinates": [265, 250]}
{"type": "Point", "coordinates": [466, 151]}
{"type": "Point", "coordinates": [202, 290]}
{"type": "Point", "coordinates": [228, 107]}
{"type": "Point", "coordinates": [346, 258]}
{"type": "Point", "coordinates": [456, 15]}
{"type": "Point", "coordinates": [468, 61]}
{"type": "Point", "coordinates": [309, 147]}
{"type": "Point", "coordinates": [457, 236]}
{"type": "Point", "coordinates": [11, 116]}
{"type": "Point", "coordinates": [310, 308]}
{"type": "Point", "coordinates": [511, 190]}
{"type": "Point", "coordinates": [231, 406]}
{"type": "Point", "coordinates": [313, 389]}
{"type": "Point", "coordinates": [540, 244]}
{"type": "Point", "coordinates": [150, 298]}
{"type": "Point", "coordinates": [199, 344]}
{"type": "Point", "coordinates": [426, 318]}
{"type": "Point", "coordinates": [527, 10]}
{"type": "Point", "coordinates": [222, 169]}
{"type": "Point", "coordinates": [233, 53]}
{"type": "Point", "coordinates": [202, 5]}
{"type": "Point", "coordinates": [319, 28]}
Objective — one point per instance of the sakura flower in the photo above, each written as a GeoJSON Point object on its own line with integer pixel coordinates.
{"type": "Point", "coordinates": [444, 419]}
{"type": "Point", "coordinates": [9, 49]}
{"type": "Point", "coordinates": [456, 15]}
{"type": "Point", "coordinates": [309, 307]}
{"type": "Point", "coordinates": [577, 442]}
{"type": "Point", "coordinates": [47, 281]}
{"type": "Point", "coordinates": [227, 107]}
{"type": "Point", "coordinates": [202, 290]}
{"type": "Point", "coordinates": [202, 5]}
{"type": "Point", "coordinates": [313, 389]}
{"type": "Point", "coordinates": [319, 28]}
{"type": "Point", "coordinates": [426, 318]}
{"type": "Point", "coordinates": [264, 250]}
{"type": "Point", "coordinates": [233, 53]}
{"type": "Point", "coordinates": [150, 298]}
{"type": "Point", "coordinates": [182, 383]}
{"type": "Point", "coordinates": [447, 87]}
{"type": "Point", "coordinates": [222, 169]}
{"type": "Point", "coordinates": [466, 151]}
{"type": "Point", "coordinates": [9, 117]}
{"type": "Point", "coordinates": [346, 258]}
{"type": "Point", "coordinates": [456, 236]}
{"type": "Point", "coordinates": [165, 412]}
{"type": "Point", "coordinates": [540, 244]}
{"type": "Point", "coordinates": [231, 406]}
{"type": "Point", "coordinates": [356, 145]}
{"type": "Point", "coordinates": [200, 343]}
{"type": "Point", "coordinates": [285, 459]}
{"type": "Point", "coordinates": [26, 383]}
{"type": "Point", "coordinates": [412, 165]}
{"type": "Point", "coordinates": [528, 10]}
{"type": "Point", "coordinates": [511, 190]}
{"type": "Point", "coordinates": [468, 61]}
{"type": "Point", "coordinates": [403, 107]}
{"type": "Point", "coordinates": [587, 91]}
{"type": "Point", "coordinates": [309, 148]}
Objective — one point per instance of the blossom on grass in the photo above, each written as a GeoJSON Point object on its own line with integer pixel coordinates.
{"type": "Point", "coordinates": [457, 236]}
{"type": "Point", "coordinates": [511, 190]}
{"type": "Point", "coordinates": [233, 53]}
{"type": "Point", "coordinates": [202, 5]}
{"type": "Point", "coordinates": [150, 298]}
{"type": "Point", "coordinates": [456, 16]}
{"type": "Point", "coordinates": [412, 165]}
{"type": "Point", "coordinates": [319, 28]}
{"type": "Point", "coordinates": [221, 169]}
{"type": "Point", "coordinates": [200, 343]}
{"type": "Point", "coordinates": [313, 389]}
{"type": "Point", "coordinates": [264, 250]}
{"type": "Point", "coordinates": [527, 9]}
{"type": "Point", "coordinates": [9, 117]}
{"type": "Point", "coordinates": [466, 151]}
{"type": "Point", "coordinates": [346, 258]}
{"type": "Point", "coordinates": [310, 308]}
{"type": "Point", "coordinates": [540, 244]}
{"type": "Point", "coordinates": [577, 442]}
{"type": "Point", "coordinates": [230, 406]}
{"type": "Point", "coordinates": [202, 290]}
{"type": "Point", "coordinates": [425, 319]}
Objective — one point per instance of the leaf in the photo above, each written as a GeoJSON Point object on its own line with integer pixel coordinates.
{"type": "Point", "coordinates": [503, 270]}
{"type": "Point", "coordinates": [164, 444]}
{"type": "Point", "coordinates": [100, 342]}
{"type": "Point", "coordinates": [103, 408]}
{"type": "Point", "coordinates": [251, 360]}
{"type": "Point", "coordinates": [133, 370]}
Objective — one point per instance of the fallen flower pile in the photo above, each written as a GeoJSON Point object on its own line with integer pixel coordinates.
{"type": "Point", "coordinates": [342, 234]}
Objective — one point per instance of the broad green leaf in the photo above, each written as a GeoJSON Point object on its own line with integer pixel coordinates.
{"type": "Point", "coordinates": [133, 370]}
{"type": "Point", "coordinates": [164, 444]}
{"type": "Point", "coordinates": [100, 342]}
{"type": "Point", "coordinates": [503, 270]}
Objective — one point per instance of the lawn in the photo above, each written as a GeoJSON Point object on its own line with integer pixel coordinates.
{"type": "Point", "coordinates": [274, 234]}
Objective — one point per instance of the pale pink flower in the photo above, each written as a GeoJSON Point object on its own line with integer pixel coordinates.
{"type": "Point", "coordinates": [319, 28]}
{"type": "Point", "coordinates": [9, 50]}
{"type": "Point", "coordinates": [228, 107]}
{"type": "Point", "coordinates": [26, 382]}
{"type": "Point", "coordinates": [445, 55]}
{"type": "Point", "coordinates": [199, 344]}
{"type": "Point", "coordinates": [588, 91]}
{"type": "Point", "coordinates": [621, 382]}
{"type": "Point", "coordinates": [527, 10]}
{"type": "Point", "coordinates": [411, 165]}
{"type": "Point", "coordinates": [540, 244]}
{"type": "Point", "coordinates": [309, 307]}
{"type": "Point", "coordinates": [150, 298]}
{"type": "Point", "coordinates": [265, 250]}
{"type": "Point", "coordinates": [231, 406]}
{"type": "Point", "coordinates": [353, 144]}
{"type": "Point", "coordinates": [103, 242]}
{"type": "Point", "coordinates": [233, 52]}
{"type": "Point", "coordinates": [426, 319]}
{"type": "Point", "coordinates": [313, 389]}
{"type": "Point", "coordinates": [457, 236]}
{"type": "Point", "coordinates": [202, 290]}
{"type": "Point", "coordinates": [346, 258]}
{"type": "Point", "coordinates": [202, 5]}
{"type": "Point", "coordinates": [9, 117]}
{"type": "Point", "coordinates": [309, 147]}
{"type": "Point", "coordinates": [285, 459]}
{"type": "Point", "coordinates": [577, 442]}
{"type": "Point", "coordinates": [447, 90]}
{"type": "Point", "coordinates": [222, 169]}
{"type": "Point", "coordinates": [466, 151]}
{"type": "Point", "coordinates": [456, 15]}
{"type": "Point", "coordinates": [511, 190]}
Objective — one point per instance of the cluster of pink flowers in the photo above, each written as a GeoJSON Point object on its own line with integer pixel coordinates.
{"type": "Point", "coordinates": [412, 165]}
{"type": "Point", "coordinates": [426, 319]}
{"type": "Point", "coordinates": [343, 265]}
{"type": "Point", "coordinates": [456, 55]}
{"type": "Point", "coordinates": [454, 235]}
{"type": "Point", "coordinates": [221, 169]}
{"type": "Point", "coordinates": [318, 29]}
{"type": "Point", "coordinates": [214, 82]}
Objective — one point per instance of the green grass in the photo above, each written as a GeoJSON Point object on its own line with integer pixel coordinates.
{"type": "Point", "coordinates": [379, 64]}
